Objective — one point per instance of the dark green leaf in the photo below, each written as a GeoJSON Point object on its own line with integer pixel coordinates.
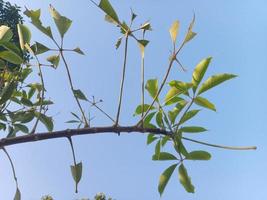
{"type": "Point", "coordinates": [39, 48]}
{"type": "Point", "coordinates": [199, 72]}
{"type": "Point", "coordinates": [150, 138]}
{"type": "Point", "coordinates": [142, 108]}
{"type": "Point", "coordinates": [63, 23]}
{"type": "Point", "coordinates": [164, 156]}
{"type": "Point", "coordinates": [7, 92]}
{"type": "Point", "coordinates": [108, 9]}
{"type": "Point", "coordinates": [22, 128]}
{"type": "Point", "coordinates": [11, 57]}
{"type": "Point", "coordinates": [198, 155]}
{"type": "Point", "coordinates": [72, 121]}
{"type": "Point", "coordinates": [204, 103]}
{"type": "Point", "coordinates": [79, 94]}
{"type": "Point", "coordinates": [27, 117]}
{"type": "Point", "coordinates": [165, 177]}
{"type": "Point", "coordinates": [78, 50]}
{"type": "Point", "coordinates": [2, 126]}
{"type": "Point", "coordinates": [47, 121]}
{"type": "Point", "coordinates": [26, 102]}
{"type": "Point", "coordinates": [192, 129]}
{"type": "Point", "coordinates": [214, 81]}
{"type": "Point", "coordinates": [148, 118]}
{"type": "Point", "coordinates": [185, 180]}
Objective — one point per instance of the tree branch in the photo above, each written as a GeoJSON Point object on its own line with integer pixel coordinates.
{"type": "Point", "coordinates": [97, 130]}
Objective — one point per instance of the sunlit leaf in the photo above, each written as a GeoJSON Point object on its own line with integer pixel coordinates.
{"type": "Point", "coordinates": [63, 23]}
{"type": "Point", "coordinates": [24, 35]}
{"type": "Point", "coordinates": [174, 30]}
{"type": "Point", "coordinates": [190, 114]}
{"type": "Point", "coordinates": [204, 103]}
{"type": "Point", "coordinates": [199, 72]}
{"type": "Point", "coordinates": [11, 57]}
{"type": "Point", "coordinates": [176, 110]}
{"type": "Point", "coordinates": [190, 34]}
{"type": "Point", "coordinates": [142, 108]}
{"type": "Point", "coordinates": [214, 81]}
{"type": "Point", "coordinates": [165, 177]}
{"type": "Point", "coordinates": [54, 60]}
{"type": "Point", "coordinates": [5, 33]}
{"type": "Point", "coordinates": [185, 180]}
{"type": "Point", "coordinates": [152, 87]}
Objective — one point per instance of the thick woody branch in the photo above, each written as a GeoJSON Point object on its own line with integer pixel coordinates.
{"type": "Point", "coordinates": [98, 130]}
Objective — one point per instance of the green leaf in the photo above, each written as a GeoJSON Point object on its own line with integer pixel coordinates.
{"type": "Point", "coordinates": [54, 60]}
{"type": "Point", "coordinates": [11, 47]}
{"type": "Point", "coordinates": [63, 23]}
{"type": "Point", "coordinates": [150, 138]}
{"type": "Point", "coordinates": [118, 43]}
{"type": "Point", "coordinates": [5, 33]}
{"type": "Point", "coordinates": [72, 121]}
{"type": "Point", "coordinates": [24, 35]}
{"type": "Point", "coordinates": [44, 103]}
{"type": "Point", "coordinates": [176, 111]}
{"type": "Point", "coordinates": [190, 34]}
{"type": "Point", "coordinates": [164, 156]}
{"type": "Point", "coordinates": [199, 72]}
{"type": "Point", "coordinates": [157, 148]}
{"type": "Point", "coordinates": [39, 48]}
{"type": "Point", "coordinates": [142, 44]}
{"type": "Point", "coordinates": [185, 180]}
{"type": "Point", "coordinates": [142, 108]}
{"type": "Point", "coordinates": [2, 126]}
{"type": "Point", "coordinates": [198, 155]}
{"type": "Point", "coordinates": [26, 102]}
{"type": "Point", "coordinates": [17, 195]}
{"type": "Point", "coordinates": [78, 50]}
{"type": "Point", "coordinates": [159, 120]}
{"type": "Point", "coordinates": [190, 114]}
{"type": "Point", "coordinates": [22, 128]}
{"type": "Point", "coordinates": [109, 10]}
{"type": "Point", "coordinates": [173, 100]}
{"type": "Point", "coordinates": [27, 117]}
{"type": "Point", "coordinates": [204, 103]}
{"type": "Point", "coordinates": [11, 57]}
{"type": "Point", "coordinates": [7, 92]}
{"type": "Point", "coordinates": [192, 129]}
{"type": "Point", "coordinates": [76, 172]}
{"type": "Point", "coordinates": [148, 118]}
{"type": "Point", "coordinates": [174, 30]}
{"type": "Point", "coordinates": [165, 177]}
{"type": "Point", "coordinates": [146, 26]}
{"type": "Point", "coordinates": [80, 95]}
{"type": "Point", "coordinates": [214, 81]}
{"type": "Point", "coordinates": [47, 121]}
{"type": "Point", "coordinates": [35, 17]}
{"type": "Point", "coordinates": [182, 87]}
{"type": "Point", "coordinates": [152, 87]}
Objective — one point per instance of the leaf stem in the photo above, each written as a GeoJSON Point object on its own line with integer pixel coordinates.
{"type": "Point", "coordinates": [12, 165]}
{"type": "Point", "coordinates": [123, 78]}
{"type": "Point", "coordinates": [74, 160]}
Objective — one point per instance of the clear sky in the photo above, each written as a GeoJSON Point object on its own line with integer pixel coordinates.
{"type": "Point", "coordinates": [233, 32]}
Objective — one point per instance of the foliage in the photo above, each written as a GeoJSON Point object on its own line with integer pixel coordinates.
{"type": "Point", "coordinates": [24, 105]}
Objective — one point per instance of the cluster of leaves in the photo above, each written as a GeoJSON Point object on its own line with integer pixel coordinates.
{"type": "Point", "coordinates": [175, 111]}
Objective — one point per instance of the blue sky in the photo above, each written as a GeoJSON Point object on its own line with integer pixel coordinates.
{"type": "Point", "coordinates": [232, 32]}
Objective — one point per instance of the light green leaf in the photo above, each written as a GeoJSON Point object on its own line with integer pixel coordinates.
{"type": "Point", "coordinates": [190, 34]}
{"type": "Point", "coordinates": [54, 60]}
{"type": "Point", "coordinates": [204, 103]}
{"type": "Point", "coordinates": [109, 10]}
{"type": "Point", "coordinates": [11, 57]}
{"type": "Point", "coordinates": [164, 156]}
{"type": "Point", "coordinates": [214, 81]}
{"type": "Point", "coordinates": [199, 72]}
{"type": "Point", "coordinates": [173, 100]}
{"type": "Point", "coordinates": [192, 129]}
{"type": "Point", "coordinates": [24, 35]}
{"type": "Point", "coordinates": [185, 180]}
{"type": "Point", "coordinates": [5, 33]}
{"type": "Point", "coordinates": [190, 114]}
{"type": "Point", "coordinates": [174, 30]}
{"type": "Point", "coordinates": [146, 26]}
{"type": "Point", "coordinates": [78, 50]}
{"type": "Point", "coordinates": [76, 172]}
{"type": "Point", "coordinates": [176, 110]}
{"type": "Point", "coordinates": [198, 155]}
{"type": "Point", "coordinates": [39, 48]}
{"type": "Point", "coordinates": [35, 17]}
{"type": "Point", "coordinates": [17, 195]}
{"type": "Point", "coordinates": [142, 108]}
{"type": "Point", "coordinates": [63, 23]}
{"type": "Point", "coordinates": [80, 95]}
{"type": "Point", "coordinates": [165, 177]}
{"type": "Point", "coordinates": [152, 87]}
